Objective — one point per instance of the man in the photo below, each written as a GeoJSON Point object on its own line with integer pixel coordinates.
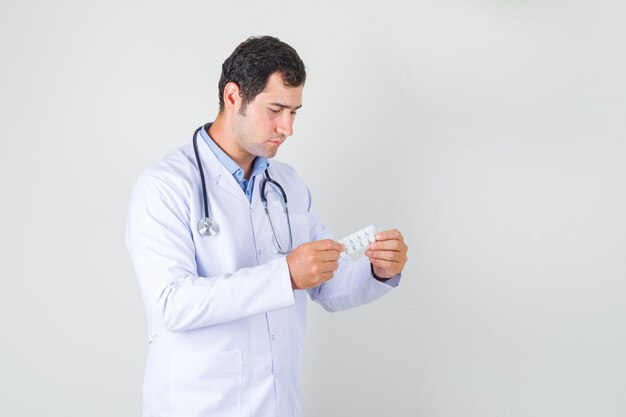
{"type": "Point", "coordinates": [226, 304]}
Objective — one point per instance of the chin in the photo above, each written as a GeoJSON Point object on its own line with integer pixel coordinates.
{"type": "Point", "coordinates": [270, 151]}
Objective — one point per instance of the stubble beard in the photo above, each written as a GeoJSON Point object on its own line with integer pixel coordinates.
{"type": "Point", "coordinates": [244, 134]}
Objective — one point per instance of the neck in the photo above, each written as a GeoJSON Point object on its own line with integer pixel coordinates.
{"type": "Point", "coordinates": [224, 136]}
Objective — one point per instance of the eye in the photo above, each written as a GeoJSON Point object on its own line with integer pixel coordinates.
{"type": "Point", "coordinates": [274, 110]}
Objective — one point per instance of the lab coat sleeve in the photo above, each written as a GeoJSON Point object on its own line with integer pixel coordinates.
{"type": "Point", "coordinates": [353, 283]}
{"type": "Point", "coordinates": [160, 242]}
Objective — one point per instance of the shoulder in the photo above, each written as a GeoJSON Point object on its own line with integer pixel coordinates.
{"type": "Point", "coordinates": [175, 173]}
{"type": "Point", "coordinates": [284, 171]}
{"type": "Point", "coordinates": [292, 183]}
{"type": "Point", "coordinates": [177, 165]}
{"type": "Point", "coordinates": [162, 195]}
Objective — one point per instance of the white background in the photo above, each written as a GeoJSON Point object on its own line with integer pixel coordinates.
{"type": "Point", "coordinates": [491, 133]}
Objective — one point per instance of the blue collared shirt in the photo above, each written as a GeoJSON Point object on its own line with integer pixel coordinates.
{"type": "Point", "coordinates": [259, 165]}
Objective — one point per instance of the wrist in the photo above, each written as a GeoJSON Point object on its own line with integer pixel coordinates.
{"type": "Point", "coordinates": [381, 279]}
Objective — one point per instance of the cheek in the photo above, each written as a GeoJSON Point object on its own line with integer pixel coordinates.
{"type": "Point", "coordinates": [265, 125]}
{"type": "Point", "coordinates": [257, 120]}
{"type": "Point", "coordinates": [259, 125]}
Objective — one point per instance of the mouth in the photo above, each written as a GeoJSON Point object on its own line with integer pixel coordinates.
{"type": "Point", "coordinates": [277, 142]}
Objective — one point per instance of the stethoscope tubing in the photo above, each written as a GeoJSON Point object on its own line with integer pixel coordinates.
{"type": "Point", "coordinates": [205, 202]}
{"type": "Point", "coordinates": [197, 153]}
{"type": "Point", "coordinates": [279, 247]}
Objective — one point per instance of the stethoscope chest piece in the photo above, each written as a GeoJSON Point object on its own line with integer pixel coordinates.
{"type": "Point", "coordinates": [208, 227]}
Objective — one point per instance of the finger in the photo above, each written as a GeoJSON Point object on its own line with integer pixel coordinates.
{"type": "Point", "coordinates": [388, 265]}
{"type": "Point", "coordinates": [328, 244]}
{"type": "Point", "coordinates": [331, 266]}
{"type": "Point", "coordinates": [389, 234]}
{"type": "Point", "coordinates": [327, 275]}
{"type": "Point", "coordinates": [398, 257]}
{"type": "Point", "coordinates": [326, 266]}
{"type": "Point", "coordinates": [329, 255]}
{"type": "Point", "coordinates": [391, 244]}
{"type": "Point", "coordinates": [385, 255]}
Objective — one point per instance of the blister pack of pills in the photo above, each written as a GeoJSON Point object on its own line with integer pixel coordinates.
{"type": "Point", "coordinates": [358, 241]}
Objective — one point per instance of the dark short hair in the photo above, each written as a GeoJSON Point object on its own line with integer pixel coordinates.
{"type": "Point", "coordinates": [253, 61]}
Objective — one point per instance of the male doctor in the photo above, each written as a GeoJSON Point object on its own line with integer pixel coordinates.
{"type": "Point", "coordinates": [227, 312]}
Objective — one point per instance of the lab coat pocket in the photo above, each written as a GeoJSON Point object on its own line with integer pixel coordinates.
{"type": "Point", "coordinates": [205, 383]}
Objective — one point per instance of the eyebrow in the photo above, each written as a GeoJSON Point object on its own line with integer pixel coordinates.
{"type": "Point", "coordinates": [284, 106]}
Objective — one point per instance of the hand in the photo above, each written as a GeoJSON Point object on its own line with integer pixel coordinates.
{"type": "Point", "coordinates": [388, 253]}
{"type": "Point", "coordinates": [313, 263]}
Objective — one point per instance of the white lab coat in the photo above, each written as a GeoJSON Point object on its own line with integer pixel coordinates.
{"type": "Point", "coordinates": [225, 327]}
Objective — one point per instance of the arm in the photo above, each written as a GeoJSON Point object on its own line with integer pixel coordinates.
{"type": "Point", "coordinates": [161, 245]}
{"type": "Point", "coordinates": [353, 285]}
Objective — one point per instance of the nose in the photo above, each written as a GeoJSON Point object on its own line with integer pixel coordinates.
{"type": "Point", "coordinates": [285, 124]}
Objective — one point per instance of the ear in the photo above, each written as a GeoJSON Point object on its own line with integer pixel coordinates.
{"type": "Point", "coordinates": [232, 97]}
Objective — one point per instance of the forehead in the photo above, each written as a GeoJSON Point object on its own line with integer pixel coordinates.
{"type": "Point", "coordinates": [276, 91]}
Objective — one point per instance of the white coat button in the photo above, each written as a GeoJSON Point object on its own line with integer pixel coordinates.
{"type": "Point", "coordinates": [276, 375]}
{"type": "Point", "coordinates": [259, 252]}
{"type": "Point", "coordinates": [273, 337]}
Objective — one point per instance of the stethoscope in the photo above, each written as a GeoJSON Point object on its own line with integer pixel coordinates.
{"type": "Point", "coordinates": [207, 226]}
